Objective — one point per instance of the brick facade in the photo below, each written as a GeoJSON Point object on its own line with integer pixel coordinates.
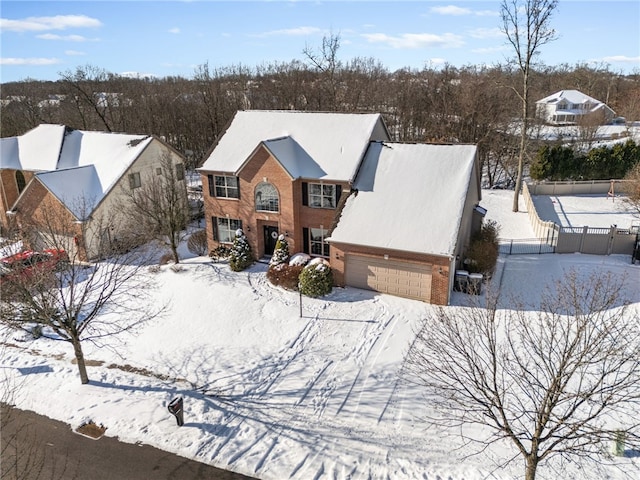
{"type": "Point", "coordinates": [291, 219]}
{"type": "Point", "coordinates": [10, 193]}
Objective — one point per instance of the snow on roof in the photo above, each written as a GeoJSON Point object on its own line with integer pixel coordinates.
{"type": "Point", "coordinates": [330, 144]}
{"type": "Point", "coordinates": [36, 150]}
{"type": "Point", "coordinates": [410, 197]}
{"type": "Point", "coordinates": [60, 155]}
{"type": "Point", "coordinates": [294, 159]}
{"type": "Point", "coordinates": [572, 96]}
{"type": "Point", "coordinates": [78, 188]}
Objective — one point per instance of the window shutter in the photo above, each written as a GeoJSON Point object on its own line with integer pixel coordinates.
{"type": "Point", "coordinates": [338, 194]}
{"type": "Point", "coordinates": [305, 194]}
{"type": "Point", "coordinates": [211, 186]}
{"type": "Point", "coordinates": [238, 184]}
{"type": "Point", "coordinates": [305, 243]}
{"type": "Point", "coordinates": [214, 223]}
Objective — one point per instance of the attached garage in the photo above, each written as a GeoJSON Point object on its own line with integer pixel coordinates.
{"type": "Point", "coordinates": [395, 277]}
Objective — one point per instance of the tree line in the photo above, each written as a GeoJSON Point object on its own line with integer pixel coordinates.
{"type": "Point", "coordinates": [469, 104]}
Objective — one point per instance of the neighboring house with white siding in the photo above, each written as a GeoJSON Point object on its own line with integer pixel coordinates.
{"type": "Point", "coordinates": [568, 107]}
{"type": "Point", "coordinates": [79, 175]}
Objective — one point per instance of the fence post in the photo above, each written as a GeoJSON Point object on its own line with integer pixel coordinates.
{"type": "Point", "coordinates": [585, 229]}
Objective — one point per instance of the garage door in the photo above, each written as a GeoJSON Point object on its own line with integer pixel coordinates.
{"type": "Point", "coordinates": [389, 276]}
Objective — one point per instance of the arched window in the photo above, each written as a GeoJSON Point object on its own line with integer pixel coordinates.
{"type": "Point", "coordinates": [267, 199]}
{"type": "Point", "coordinates": [20, 181]}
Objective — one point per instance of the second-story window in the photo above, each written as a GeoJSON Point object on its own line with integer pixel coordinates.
{"type": "Point", "coordinates": [225, 186]}
{"type": "Point", "coordinates": [267, 199]}
{"type": "Point", "coordinates": [179, 171]}
{"type": "Point", "coordinates": [134, 180]}
{"type": "Point", "coordinates": [320, 195]}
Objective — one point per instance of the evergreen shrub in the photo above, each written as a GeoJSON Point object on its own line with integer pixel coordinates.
{"type": "Point", "coordinates": [316, 278]}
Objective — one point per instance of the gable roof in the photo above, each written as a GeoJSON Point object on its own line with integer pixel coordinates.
{"type": "Point", "coordinates": [74, 164]}
{"type": "Point", "coordinates": [571, 96]}
{"type": "Point", "coordinates": [317, 145]}
{"type": "Point", "coordinates": [401, 186]}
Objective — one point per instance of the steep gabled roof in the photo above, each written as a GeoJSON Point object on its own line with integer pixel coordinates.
{"type": "Point", "coordinates": [74, 163]}
{"type": "Point", "coordinates": [401, 186]}
{"type": "Point", "coordinates": [332, 144]}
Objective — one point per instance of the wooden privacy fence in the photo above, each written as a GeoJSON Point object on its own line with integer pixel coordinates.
{"type": "Point", "coordinates": [552, 238]}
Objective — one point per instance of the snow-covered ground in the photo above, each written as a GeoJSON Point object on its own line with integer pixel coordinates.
{"type": "Point", "coordinates": [274, 395]}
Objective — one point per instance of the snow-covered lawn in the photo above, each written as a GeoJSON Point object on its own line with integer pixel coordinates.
{"type": "Point", "coordinates": [274, 395]}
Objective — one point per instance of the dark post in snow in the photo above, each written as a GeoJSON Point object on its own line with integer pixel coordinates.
{"type": "Point", "coordinates": [300, 292]}
{"type": "Point", "coordinates": [175, 407]}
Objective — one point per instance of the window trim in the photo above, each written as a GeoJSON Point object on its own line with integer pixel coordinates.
{"type": "Point", "coordinates": [276, 197]}
{"type": "Point", "coordinates": [323, 244]}
{"type": "Point", "coordinates": [135, 181]}
{"type": "Point", "coordinates": [224, 188]}
{"type": "Point", "coordinates": [307, 194]}
{"type": "Point", "coordinates": [180, 171]}
{"type": "Point", "coordinates": [216, 222]}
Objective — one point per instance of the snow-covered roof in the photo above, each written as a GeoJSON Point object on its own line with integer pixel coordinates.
{"type": "Point", "coordinates": [315, 145]}
{"type": "Point", "coordinates": [74, 163]}
{"type": "Point", "coordinates": [78, 188]}
{"type": "Point", "coordinates": [410, 197]}
{"type": "Point", "coordinates": [36, 150]}
{"type": "Point", "coordinates": [571, 96]}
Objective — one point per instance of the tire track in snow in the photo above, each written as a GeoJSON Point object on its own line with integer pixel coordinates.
{"type": "Point", "coordinates": [372, 354]}
{"type": "Point", "coordinates": [329, 380]}
{"type": "Point", "coordinates": [267, 372]}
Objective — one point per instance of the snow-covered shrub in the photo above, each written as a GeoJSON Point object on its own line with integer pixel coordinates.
{"type": "Point", "coordinates": [221, 251]}
{"type": "Point", "coordinates": [197, 243]}
{"type": "Point", "coordinates": [241, 256]}
{"type": "Point", "coordinates": [300, 259]}
{"type": "Point", "coordinates": [316, 279]}
{"type": "Point", "coordinates": [281, 252]}
{"type": "Point", "coordinates": [285, 275]}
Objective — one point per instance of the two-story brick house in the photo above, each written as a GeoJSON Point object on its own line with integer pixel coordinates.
{"type": "Point", "coordinates": [328, 182]}
{"type": "Point", "coordinates": [283, 172]}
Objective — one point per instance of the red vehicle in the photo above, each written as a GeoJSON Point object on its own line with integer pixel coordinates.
{"type": "Point", "coordinates": [30, 265]}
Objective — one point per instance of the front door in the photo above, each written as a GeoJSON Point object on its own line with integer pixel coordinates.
{"type": "Point", "coordinates": [270, 239]}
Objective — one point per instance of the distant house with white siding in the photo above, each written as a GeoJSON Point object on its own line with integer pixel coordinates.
{"type": "Point", "coordinates": [567, 107]}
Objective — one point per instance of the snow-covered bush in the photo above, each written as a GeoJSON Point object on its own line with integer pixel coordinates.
{"type": "Point", "coordinates": [316, 279]}
{"type": "Point", "coordinates": [281, 252]}
{"type": "Point", "coordinates": [285, 275]}
{"type": "Point", "coordinates": [300, 259]}
{"type": "Point", "coordinates": [241, 256]}
{"type": "Point", "coordinates": [221, 251]}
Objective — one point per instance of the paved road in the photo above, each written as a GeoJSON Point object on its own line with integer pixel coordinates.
{"type": "Point", "coordinates": [50, 450]}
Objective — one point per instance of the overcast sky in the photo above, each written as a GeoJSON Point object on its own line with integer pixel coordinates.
{"type": "Point", "coordinates": [42, 39]}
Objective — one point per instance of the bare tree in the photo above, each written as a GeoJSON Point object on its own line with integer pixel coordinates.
{"type": "Point", "coordinates": [325, 61]}
{"type": "Point", "coordinates": [558, 379]}
{"type": "Point", "coordinates": [159, 208]}
{"type": "Point", "coordinates": [527, 26]}
{"type": "Point", "coordinates": [75, 301]}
